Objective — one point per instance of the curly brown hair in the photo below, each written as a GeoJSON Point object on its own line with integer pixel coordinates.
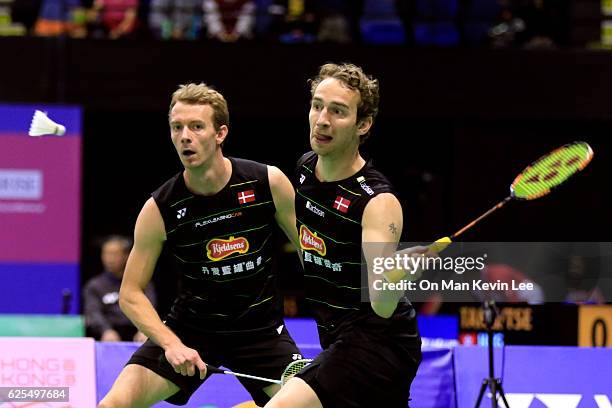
{"type": "Point", "coordinates": [202, 94]}
{"type": "Point", "coordinates": [354, 78]}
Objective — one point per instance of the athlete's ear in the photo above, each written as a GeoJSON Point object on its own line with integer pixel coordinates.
{"type": "Point", "coordinates": [222, 134]}
{"type": "Point", "coordinates": [364, 125]}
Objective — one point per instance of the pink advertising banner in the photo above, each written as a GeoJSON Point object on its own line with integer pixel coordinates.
{"type": "Point", "coordinates": [49, 362]}
{"type": "Point", "coordinates": [40, 212]}
{"type": "Point", "coordinates": [40, 182]}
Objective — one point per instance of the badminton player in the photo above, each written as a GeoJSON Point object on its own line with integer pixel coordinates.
{"type": "Point", "coordinates": [215, 218]}
{"type": "Point", "coordinates": [371, 350]}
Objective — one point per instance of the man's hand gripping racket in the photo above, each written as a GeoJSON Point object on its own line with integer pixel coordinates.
{"type": "Point", "coordinates": [535, 181]}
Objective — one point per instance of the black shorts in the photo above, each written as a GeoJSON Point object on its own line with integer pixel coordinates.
{"type": "Point", "coordinates": [367, 366]}
{"type": "Point", "coordinates": [264, 354]}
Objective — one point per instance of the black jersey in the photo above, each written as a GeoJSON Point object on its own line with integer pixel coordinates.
{"type": "Point", "coordinates": [222, 247]}
{"type": "Point", "coordinates": [329, 218]}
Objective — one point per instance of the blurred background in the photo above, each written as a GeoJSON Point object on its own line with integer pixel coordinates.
{"type": "Point", "coordinates": [472, 91]}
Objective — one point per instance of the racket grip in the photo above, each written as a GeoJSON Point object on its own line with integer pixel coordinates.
{"type": "Point", "coordinates": [440, 244]}
{"type": "Point", "coordinates": [214, 370]}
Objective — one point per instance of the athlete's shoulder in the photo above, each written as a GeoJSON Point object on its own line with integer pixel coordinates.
{"type": "Point", "coordinates": [240, 162]}
{"type": "Point", "coordinates": [249, 168]}
{"type": "Point", "coordinates": [373, 182]}
{"type": "Point", "coordinates": [306, 160]}
{"type": "Point", "coordinates": [164, 192]}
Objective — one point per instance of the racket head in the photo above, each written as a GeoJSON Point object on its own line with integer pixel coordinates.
{"type": "Point", "coordinates": [293, 368]}
{"type": "Point", "coordinates": [550, 171]}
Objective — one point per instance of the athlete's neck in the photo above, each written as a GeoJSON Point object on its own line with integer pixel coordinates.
{"type": "Point", "coordinates": [334, 168]}
{"type": "Point", "coordinates": [209, 180]}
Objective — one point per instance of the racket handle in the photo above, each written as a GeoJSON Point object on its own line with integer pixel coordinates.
{"type": "Point", "coordinates": [214, 370]}
{"type": "Point", "coordinates": [438, 246]}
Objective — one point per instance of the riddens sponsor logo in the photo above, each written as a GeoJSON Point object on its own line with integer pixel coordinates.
{"type": "Point", "coordinates": [217, 249]}
{"type": "Point", "coordinates": [310, 241]}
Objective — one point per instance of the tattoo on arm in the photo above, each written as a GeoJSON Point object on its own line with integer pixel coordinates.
{"type": "Point", "coordinates": [393, 228]}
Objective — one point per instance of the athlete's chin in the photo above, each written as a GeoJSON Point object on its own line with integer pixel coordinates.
{"type": "Point", "coordinates": [320, 148]}
{"type": "Point", "coordinates": [191, 163]}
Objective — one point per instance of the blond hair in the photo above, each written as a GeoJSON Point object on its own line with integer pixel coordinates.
{"type": "Point", "coordinates": [202, 94]}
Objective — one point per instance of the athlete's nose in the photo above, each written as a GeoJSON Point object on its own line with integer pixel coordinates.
{"type": "Point", "coordinates": [323, 119]}
{"type": "Point", "coordinates": [185, 135]}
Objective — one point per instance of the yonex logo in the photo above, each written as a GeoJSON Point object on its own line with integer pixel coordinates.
{"type": "Point", "coordinates": [181, 213]}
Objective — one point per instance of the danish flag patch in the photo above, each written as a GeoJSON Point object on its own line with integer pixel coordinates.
{"type": "Point", "coordinates": [246, 196]}
{"type": "Point", "coordinates": [342, 204]}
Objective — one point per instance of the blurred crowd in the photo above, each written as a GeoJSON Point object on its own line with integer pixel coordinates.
{"type": "Point", "coordinates": [498, 23]}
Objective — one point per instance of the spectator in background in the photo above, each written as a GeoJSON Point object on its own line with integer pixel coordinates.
{"type": "Point", "coordinates": [8, 26]}
{"type": "Point", "coordinates": [176, 19]}
{"type": "Point", "coordinates": [532, 24]}
{"type": "Point", "coordinates": [229, 20]}
{"type": "Point", "coordinates": [406, 11]}
{"type": "Point", "coordinates": [104, 319]}
{"type": "Point", "coordinates": [582, 278]}
{"type": "Point", "coordinates": [25, 12]}
{"type": "Point", "coordinates": [498, 272]}
{"type": "Point", "coordinates": [335, 21]}
{"type": "Point", "coordinates": [60, 17]}
{"type": "Point", "coordinates": [295, 21]}
{"type": "Point", "coordinates": [547, 23]}
{"type": "Point", "coordinates": [113, 18]}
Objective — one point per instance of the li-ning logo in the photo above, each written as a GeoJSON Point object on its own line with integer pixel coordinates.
{"type": "Point", "coordinates": [302, 178]}
{"type": "Point", "coordinates": [315, 209]}
{"type": "Point", "coordinates": [181, 213]}
{"type": "Point", "coordinates": [217, 249]}
{"type": "Point", "coordinates": [366, 188]}
{"type": "Point", "coordinates": [309, 241]}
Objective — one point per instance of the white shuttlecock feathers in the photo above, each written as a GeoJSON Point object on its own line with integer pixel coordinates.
{"type": "Point", "coordinates": [42, 125]}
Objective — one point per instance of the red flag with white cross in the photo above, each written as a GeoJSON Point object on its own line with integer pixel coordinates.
{"type": "Point", "coordinates": [246, 196]}
{"type": "Point", "coordinates": [342, 204]}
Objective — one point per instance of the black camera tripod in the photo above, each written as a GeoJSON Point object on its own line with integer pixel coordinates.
{"type": "Point", "coordinates": [494, 384]}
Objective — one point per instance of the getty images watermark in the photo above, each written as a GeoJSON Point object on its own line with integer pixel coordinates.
{"type": "Point", "coordinates": [533, 272]}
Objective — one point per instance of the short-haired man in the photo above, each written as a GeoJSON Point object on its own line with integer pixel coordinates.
{"type": "Point", "coordinates": [215, 218]}
{"type": "Point", "coordinates": [371, 349]}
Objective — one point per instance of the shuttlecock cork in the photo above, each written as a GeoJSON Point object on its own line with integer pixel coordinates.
{"type": "Point", "coordinates": [42, 125]}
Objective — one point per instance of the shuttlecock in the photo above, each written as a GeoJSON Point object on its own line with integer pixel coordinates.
{"type": "Point", "coordinates": [42, 125]}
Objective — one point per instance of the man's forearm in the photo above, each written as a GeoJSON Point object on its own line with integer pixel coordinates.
{"type": "Point", "coordinates": [140, 311]}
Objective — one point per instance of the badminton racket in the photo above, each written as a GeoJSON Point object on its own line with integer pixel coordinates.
{"type": "Point", "coordinates": [535, 181]}
{"type": "Point", "coordinates": [290, 371]}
